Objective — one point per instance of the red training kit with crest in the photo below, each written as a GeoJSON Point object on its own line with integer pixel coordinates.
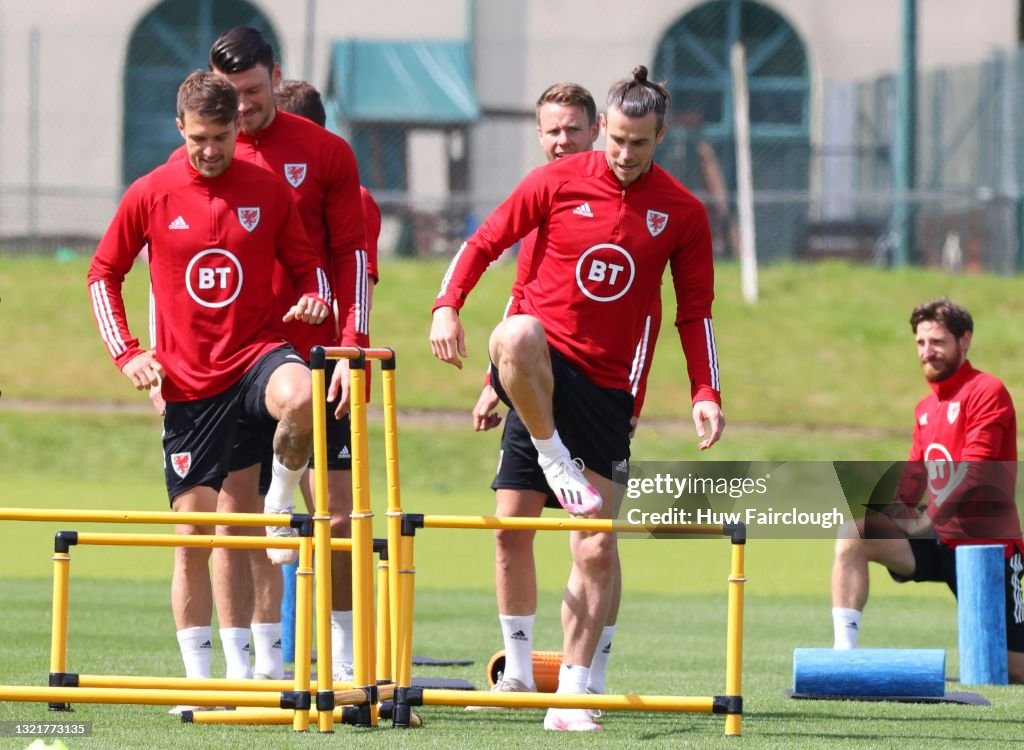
{"type": "Point", "coordinates": [597, 265]}
{"type": "Point", "coordinates": [963, 460]}
{"type": "Point", "coordinates": [213, 246]}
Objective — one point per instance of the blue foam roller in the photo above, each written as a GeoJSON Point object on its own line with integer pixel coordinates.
{"type": "Point", "coordinates": [288, 613]}
{"type": "Point", "coordinates": [981, 614]}
{"type": "Point", "coordinates": [870, 672]}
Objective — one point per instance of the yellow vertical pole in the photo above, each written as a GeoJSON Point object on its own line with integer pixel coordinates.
{"type": "Point", "coordinates": [303, 623]}
{"type": "Point", "coordinates": [362, 537]}
{"type": "Point", "coordinates": [322, 541]}
{"type": "Point", "coordinates": [384, 670]}
{"type": "Point", "coordinates": [59, 616]}
{"type": "Point", "coordinates": [394, 515]}
{"type": "Point", "coordinates": [734, 630]}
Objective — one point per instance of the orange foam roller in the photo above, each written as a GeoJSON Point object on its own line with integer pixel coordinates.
{"type": "Point", "coordinates": [545, 669]}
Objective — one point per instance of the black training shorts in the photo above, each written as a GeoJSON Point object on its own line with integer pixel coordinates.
{"type": "Point", "coordinates": [593, 422]}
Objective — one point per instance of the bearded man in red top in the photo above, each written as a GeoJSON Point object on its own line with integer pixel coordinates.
{"type": "Point", "coordinates": [957, 486]}
{"type": "Point", "coordinates": [608, 224]}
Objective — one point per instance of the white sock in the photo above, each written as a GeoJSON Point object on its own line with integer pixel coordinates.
{"type": "Point", "coordinates": [196, 651]}
{"type": "Point", "coordinates": [845, 627]}
{"type": "Point", "coordinates": [517, 632]}
{"type": "Point", "coordinates": [281, 495]}
{"type": "Point", "coordinates": [266, 641]}
{"type": "Point", "coordinates": [236, 652]}
{"type": "Point", "coordinates": [573, 679]}
{"type": "Point", "coordinates": [549, 450]}
{"type": "Point", "coordinates": [341, 639]}
{"type": "Point", "coordinates": [599, 666]}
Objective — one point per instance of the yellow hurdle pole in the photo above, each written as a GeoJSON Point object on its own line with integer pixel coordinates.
{"type": "Point", "coordinates": [59, 615]}
{"type": "Point", "coordinates": [667, 703]}
{"type": "Point", "coordinates": [128, 539]}
{"type": "Point", "coordinates": [303, 624]}
{"type": "Point", "coordinates": [734, 631]}
{"type": "Point", "coordinates": [189, 683]}
{"type": "Point", "coordinates": [566, 523]}
{"type": "Point", "coordinates": [35, 694]}
{"type": "Point", "coordinates": [362, 539]}
{"type": "Point", "coordinates": [322, 539]}
{"type": "Point", "coordinates": [384, 665]}
{"type": "Point", "coordinates": [149, 517]}
{"type": "Point", "coordinates": [394, 511]}
{"type": "Point", "coordinates": [402, 714]}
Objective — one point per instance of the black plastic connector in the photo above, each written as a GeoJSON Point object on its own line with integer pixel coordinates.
{"type": "Point", "coordinates": [186, 717]}
{"type": "Point", "coordinates": [411, 522]}
{"type": "Point", "coordinates": [63, 541]}
{"type": "Point", "coordinates": [325, 700]}
{"type": "Point", "coordinates": [380, 547]}
{"type": "Point", "coordinates": [738, 532]}
{"type": "Point", "coordinates": [62, 679]}
{"type": "Point", "coordinates": [362, 715]}
{"type": "Point", "coordinates": [303, 522]}
{"type": "Point", "coordinates": [388, 364]}
{"type": "Point", "coordinates": [318, 358]}
{"type": "Point", "coordinates": [359, 362]}
{"type": "Point", "coordinates": [296, 700]}
{"type": "Point", "coordinates": [727, 704]}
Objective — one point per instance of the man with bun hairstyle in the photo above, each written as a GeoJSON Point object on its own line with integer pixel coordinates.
{"type": "Point", "coordinates": [608, 224]}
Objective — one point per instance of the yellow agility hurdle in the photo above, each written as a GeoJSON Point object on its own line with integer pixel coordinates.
{"type": "Point", "coordinates": [401, 528]}
{"type": "Point", "coordinates": [730, 704]}
{"type": "Point", "coordinates": [64, 686]}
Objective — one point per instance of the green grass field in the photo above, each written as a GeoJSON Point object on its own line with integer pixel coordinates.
{"type": "Point", "coordinates": [822, 369]}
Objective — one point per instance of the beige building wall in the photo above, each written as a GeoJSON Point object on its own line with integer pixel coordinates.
{"type": "Point", "coordinates": [520, 48]}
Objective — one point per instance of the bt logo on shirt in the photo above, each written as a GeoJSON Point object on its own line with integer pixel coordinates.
{"type": "Point", "coordinates": [214, 278]}
{"type": "Point", "coordinates": [605, 272]}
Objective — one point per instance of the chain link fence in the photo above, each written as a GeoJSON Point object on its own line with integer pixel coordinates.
{"type": "Point", "coordinates": [822, 150]}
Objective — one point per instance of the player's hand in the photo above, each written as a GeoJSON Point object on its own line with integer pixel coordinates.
{"type": "Point", "coordinates": [144, 371]}
{"type": "Point", "coordinates": [484, 416]}
{"type": "Point", "coordinates": [309, 309]}
{"type": "Point", "coordinates": [156, 399]}
{"type": "Point", "coordinates": [914, 523]}
{"type": "Point", "coordinates": [340, 387]}
{"type": "Point", "coordinates": [710, 412]}
{"type": "Point", "coordinates": [447, 337]}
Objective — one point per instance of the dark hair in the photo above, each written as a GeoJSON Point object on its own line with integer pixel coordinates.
{"type": "Point", "coordinates": [240, 49]}
{"type": "Point", "coordinates": [638, 97]}
{"type": "Point", "coordinates": [956, 319]}
{"type": "Point", "coordinates": [569, 95]}
{"type": "Point", "coordinates": [208, 96]}
{"type": "Point", "coordinates": [301, 98]}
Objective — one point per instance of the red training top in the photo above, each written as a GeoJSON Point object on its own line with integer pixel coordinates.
{"type": "Point", "coordinates": [963, 460]}
{"type": "Point", "coordinates": [212, 250]}
{"type": "Point", "coordinates": [597, 265]}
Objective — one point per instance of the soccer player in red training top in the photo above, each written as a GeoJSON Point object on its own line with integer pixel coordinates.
{"type": "Point", "coordinates": [567, 124]}
{"type": "Point", "coordinates": [320, 169]}
{"type": "Point", "coordinates": [962, 468]}
{"type": "Point", "coordinates": [215, 227]}
{"type": "Point", "coordinates": [609, 224]}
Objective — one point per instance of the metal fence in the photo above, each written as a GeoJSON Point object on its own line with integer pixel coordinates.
{"type": "Point", "coordinates": [822, 155]}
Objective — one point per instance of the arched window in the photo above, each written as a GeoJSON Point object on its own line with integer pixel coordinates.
{"type": "Point", "coordinates": [694, 57]}
{"type": "Point", "coordinates": [171, 41]}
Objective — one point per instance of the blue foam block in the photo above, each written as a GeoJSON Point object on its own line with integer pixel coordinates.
{"type": "Point", "coordinates": [288, 613]}
{"type": "Point", "coordinates": [870, 672]}
{"type": "Point", "coordinates": [981, 614]}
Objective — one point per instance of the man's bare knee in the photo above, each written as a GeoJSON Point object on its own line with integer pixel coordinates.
{"type": "Point", "coordinates": [518, 337]}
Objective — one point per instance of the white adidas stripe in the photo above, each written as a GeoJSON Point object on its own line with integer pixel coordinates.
{"type": "Point", "coordinates": [451, 269]}
{"type": "Point", "coordinates": [104, 315]}
{"type": "Point", "coordinates": [709, 338]}
{"type": "Point", "coordinates": [640, 358]}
